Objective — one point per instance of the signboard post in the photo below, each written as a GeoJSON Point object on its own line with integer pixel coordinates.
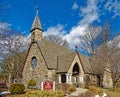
{"type": "Point", "coordinates": [48, 85]}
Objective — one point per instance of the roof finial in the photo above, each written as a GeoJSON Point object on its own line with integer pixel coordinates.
{"type": "Point", "coordinates": [76, 48]}
{"type": "Point", "coordinates": [37, 8]}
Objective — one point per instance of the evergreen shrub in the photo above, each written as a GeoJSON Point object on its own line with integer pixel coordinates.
{"type": "Point", "coordinates": [31, 84]}
{"type": "Point", "coordinates": [16, 88]}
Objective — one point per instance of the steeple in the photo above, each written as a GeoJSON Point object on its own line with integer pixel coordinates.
{"type": "Point", "coordinates": [36, 23]}
{"type": "Point", "coordinates": [36, 29]}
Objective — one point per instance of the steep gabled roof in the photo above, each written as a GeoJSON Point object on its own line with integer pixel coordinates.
{"type": "Point", "coordinates": [61, 58]}
{"type": "Point", "coordinates": [65, 61]}
{"type": "Point", "coordinates": [51, 51]}
{"type": "Point", "coordinates": [86, 63]}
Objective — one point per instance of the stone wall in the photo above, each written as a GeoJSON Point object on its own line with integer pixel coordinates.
{"type": "Point", "coordinates": [107, 80]}
{"type": "Point", "coordinates": [81, 72]}
{"type": "Point", "coordinates": [36, 35]}
{"type": "Point", "coordinates": [76, 60]}
{"type": "Point", "coordinates": [39, 74]}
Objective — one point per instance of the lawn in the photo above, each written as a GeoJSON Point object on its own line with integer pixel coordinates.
{"type": "Point", "coordinates": [22, 95]}
{"type": "Point", "coordinates": [115, 93]}
{"type": "Point", "coordinates": [38, 93]}
{"type": "Point", "coordinates": [110, 93]}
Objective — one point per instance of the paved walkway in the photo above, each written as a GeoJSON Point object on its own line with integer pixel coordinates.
{"type": "Point", "coordinates": [78, 91]}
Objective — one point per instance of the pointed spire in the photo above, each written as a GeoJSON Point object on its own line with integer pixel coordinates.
{"type": "Point", "coordinates": [36, 23]}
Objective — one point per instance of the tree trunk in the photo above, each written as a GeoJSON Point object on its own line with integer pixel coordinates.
{"type": "Point", "coordinates": [9, 78]}
{"type": "Point", "coordinates": [114, 86]}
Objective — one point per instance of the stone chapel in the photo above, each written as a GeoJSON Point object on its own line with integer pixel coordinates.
{"type": "Point", "coordinates": [50, 61]}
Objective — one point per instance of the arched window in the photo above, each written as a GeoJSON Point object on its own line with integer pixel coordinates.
{"type": "Point", "coordinates": [34, 62]}
{"type": "Point", "coordinates": [76, 69]}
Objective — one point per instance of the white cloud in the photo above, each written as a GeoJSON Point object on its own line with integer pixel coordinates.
{"type": "Point", "coordinates": [56, 30]}
{"type": "Point", "coordinates": [75, 6]}
{"type": "Point", "coordinates": [113, 6]}
{"type": "Point", "coordinates": [73, 36]}
{"type": "Point", "coordinates": [90, 12]}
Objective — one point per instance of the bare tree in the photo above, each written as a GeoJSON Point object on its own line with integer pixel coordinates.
{"type": "Point", "coordinates": [57, 39]}
{"type": "Point", "coordinates": [11, 44]}
{"type": "Point", "coordinates": [13, 65]}
{"type": "Point", "coordinates": [109, 50]}
{"type": "Point", "coordinates": [88, 40]}
{"type": "Point", "coordinates": [105, 45]}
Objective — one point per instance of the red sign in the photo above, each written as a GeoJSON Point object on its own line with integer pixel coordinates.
{"type": "Point", "coordinates": [47, 85]}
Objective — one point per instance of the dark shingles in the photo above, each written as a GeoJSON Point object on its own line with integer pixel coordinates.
{"type": "Point", "coordinates": [86, 63]}
{"type": "Point", "coordinates": [61, 58]}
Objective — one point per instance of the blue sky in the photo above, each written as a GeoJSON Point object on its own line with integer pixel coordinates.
{"type": "Point", "coordinates": [67, 18]}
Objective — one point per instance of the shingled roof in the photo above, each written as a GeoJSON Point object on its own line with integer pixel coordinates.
{"type": "Point", "coordinates": [60, 58]}
{"type": "Point", "coordinates": [65, 61]}
{"type": "Point", "coordinates": [86, 63]}
{"type": "Point", "coordinates": [51, 52]}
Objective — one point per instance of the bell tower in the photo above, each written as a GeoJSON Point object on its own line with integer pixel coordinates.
{"type": "Point", "coordinates": [36, 29]}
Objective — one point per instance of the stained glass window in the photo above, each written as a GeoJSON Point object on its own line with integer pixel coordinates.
{"type": "Point", "coordinates": [34, 62]}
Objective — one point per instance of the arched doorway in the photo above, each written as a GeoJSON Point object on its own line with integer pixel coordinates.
{"type": "Point", "coordinates": [76, 69]}
{"type": "Point", "coordinates": [75, 74]}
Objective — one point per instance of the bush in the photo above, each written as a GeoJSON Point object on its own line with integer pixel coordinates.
{"type": "Point", "coordinates": [32, 83]}
{"type": "Point", "coordinates": [72, 89]}
{"type": "Point", "coordinates": [17, 88]}
{"type": "Point", "coordinates": [96, 90]}
{"type": "Point", "coordinates": [56, 93]}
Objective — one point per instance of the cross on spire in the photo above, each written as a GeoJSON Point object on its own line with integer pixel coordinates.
{"type": "Point", "coordinates": [36, 23]}
{"type": "Point", "coordinates": [76, 48]}
{"type": "Point", "coordinates": [37, 8]}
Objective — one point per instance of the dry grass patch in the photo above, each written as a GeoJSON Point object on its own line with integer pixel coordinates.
{"type": "Point", "coordinates": [23, 95]}
{"type": "Point", "coordinates": [115, 93]}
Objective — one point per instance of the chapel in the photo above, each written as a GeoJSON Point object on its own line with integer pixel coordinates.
{"type": "Point", "coordinates": [49, 61]}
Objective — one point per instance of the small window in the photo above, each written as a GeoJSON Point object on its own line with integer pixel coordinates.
{"type": "Point", "coordinates": [63, 78]}
{"type": "Point", "coordinates": [34, 62]}
{"type": "Point", "coordinates": [33, 33]}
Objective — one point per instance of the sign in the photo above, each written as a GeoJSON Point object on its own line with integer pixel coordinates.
{"type": "Point", "coordinates": [48, 85]}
